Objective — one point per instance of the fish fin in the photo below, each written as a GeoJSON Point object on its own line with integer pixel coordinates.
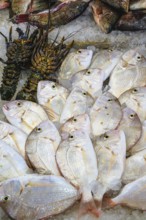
{"type": "Point", "coordinates": [22, 18]}
{"type": "Point", "coordinates": [51, 114]}
{"type": "Point", "coordinates": [108, 203]}
{"type": "Point", "coordinates": [88, 205]}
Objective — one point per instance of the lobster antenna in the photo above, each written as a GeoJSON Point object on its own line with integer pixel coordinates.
{"type": "Point", "coordinates": [73, 33]}
{"type": "Point", "coordinates": [49, 17]}
{"type": "Point", "coordinates": [6, 39]}
{"type": "Point", "coordinates": [27, 30]}
{"type": "Point", "coordinates": [20, 32]}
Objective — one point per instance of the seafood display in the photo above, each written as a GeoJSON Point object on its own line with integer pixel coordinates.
{"type": "Point", "coordinates": [90, 133]}
{"type": "Point", "coordinates": [74, 115]}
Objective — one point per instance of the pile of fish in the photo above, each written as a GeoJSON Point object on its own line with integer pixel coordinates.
{"type": "Point", "coordinates": [126, 15]}
{"type": "Point", "coordinates": [82, 140]}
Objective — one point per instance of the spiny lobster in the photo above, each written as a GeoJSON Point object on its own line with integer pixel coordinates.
{"type": "Point", "coordinates": [18, 54]}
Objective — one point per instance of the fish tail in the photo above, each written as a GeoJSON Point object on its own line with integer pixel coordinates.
{"type": "Point", "coordinates": [22, 18]}
{"type": "Point", "coordinates": [88, 205]}
{"type": "Point", "coordinates": [98, 191]}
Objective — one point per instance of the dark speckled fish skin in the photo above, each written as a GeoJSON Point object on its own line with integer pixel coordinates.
{"type": "Point", "coordinates": [36, 197]}
{"type": "Point", "coordinates": [119, 4]}
{"type": "Point", "coordinates": [137, 4]}
{"type": "Point", "coordinates": [104, 16]}
{"type": "Point", "coordinates": [133, 21]}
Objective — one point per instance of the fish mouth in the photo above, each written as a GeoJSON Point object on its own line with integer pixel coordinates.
{"type": "Point", "coordinates": [5, 107]}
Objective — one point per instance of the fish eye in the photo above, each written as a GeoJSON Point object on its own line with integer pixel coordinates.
{"type": "Point", "coordinates": [75, 119]}
{"type": "Point", "coordinates": [84, 93]}
{"type": "Point", "coordinates": [53, 86]}
{"type": "Point", "coordinates": [138, 58]}
{"type": "Point", "coordinates": [71, 136]}
{"type": "Point", "coordinates": [38, 129]}
{"type": "Point", "coordinates": [79, 51]}
{"type": "Point", "coordinates": [109, 100]}
{"type": "Point", "coordinates": [88, 72]}
{"type": "Point", "coordinates": [19, 104]}
{"type": "Point", "coordinates": [110, 50]}
{"type": "Point", "coordinates": [134, 90]}
{"type": "Point", "coordinates": [6, 198]}
{"type": "Point", "coordinates": [106, 137]}
{"type": "Point", "coordinates": [131, 116]}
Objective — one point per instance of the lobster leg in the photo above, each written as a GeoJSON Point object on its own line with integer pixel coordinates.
{"type": "Point", "coordinates": [2, 61]}
{"type": "Point", "coordinates": [6, 39]}
{"type": "Point", "coordinates": [20, 32]}
{"type": "Point", "coordinates": [10, 35]}
{"type": "Point", "coordinates": [27, 31]}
